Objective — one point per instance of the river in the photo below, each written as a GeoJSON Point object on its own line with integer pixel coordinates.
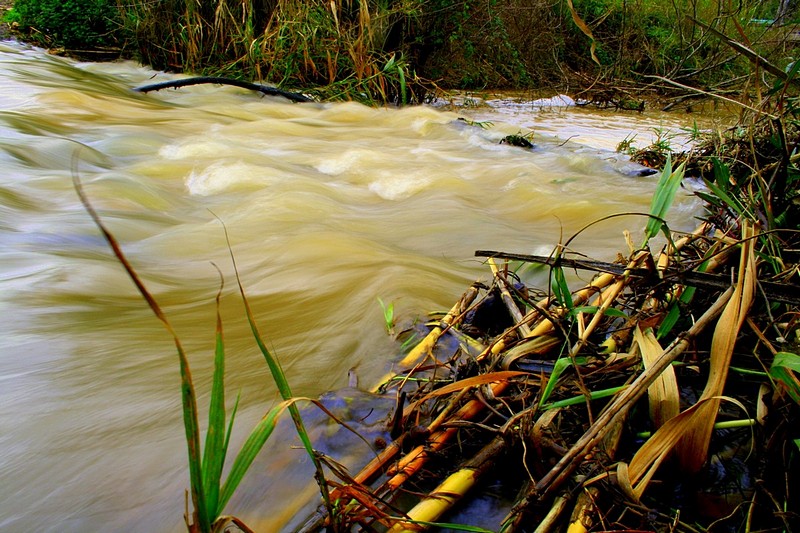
{"type": "Point", "coordinates": [328, 206]}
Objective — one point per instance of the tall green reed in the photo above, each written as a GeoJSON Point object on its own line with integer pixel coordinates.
{"type": "Point", "coordinates": [209, 494]}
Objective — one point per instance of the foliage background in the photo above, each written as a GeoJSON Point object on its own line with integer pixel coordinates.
{"type": "Point", "coordinates": [383, 48]}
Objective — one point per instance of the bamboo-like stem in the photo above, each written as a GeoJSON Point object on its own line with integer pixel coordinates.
{"type": "Point", "coordinates": [604, 301]}
{"type": "Point", "coordinates": [452, 489]}
{"type": "Point", "coordinates": [618, 407]}
{"type": "Point", "coordinates": [413, 461]}
{"type": "Point", "coordinates": [513, 310]}
{"type": "Point", "coordinates": [544, 325]}
{"type": "Point", "coordinates": [425, 347]}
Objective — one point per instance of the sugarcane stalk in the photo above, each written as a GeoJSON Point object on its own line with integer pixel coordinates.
{"type": "Point", "coordinates": [452, 489]}
{"type": "Point", "coordinates": [413, 461]}
{"type": "Point", "coordinates": [425, 347]}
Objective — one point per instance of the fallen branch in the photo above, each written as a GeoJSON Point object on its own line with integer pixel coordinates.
{"type": "Point", "coordinates": [201, 80]}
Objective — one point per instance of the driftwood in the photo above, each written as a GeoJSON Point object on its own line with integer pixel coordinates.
{"type": "Point", "coordinates": [201, 80]}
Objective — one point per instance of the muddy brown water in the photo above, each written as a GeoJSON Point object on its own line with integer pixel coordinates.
{"type": "Point", "coordinates": [329, 207]}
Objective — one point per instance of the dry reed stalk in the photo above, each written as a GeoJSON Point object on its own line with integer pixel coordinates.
{"type": "Point", "coordinates": [541, 316]}
{"type": "Point", "coordinates": [452, 489]}
{"type": "Point", "coordinates": [413, 461]}
{"type": "Point", "coordinates": [424, 348]}
{"type": "Point", "coordinates": [617, 408]}
{"type": "Point", "coordinates": [604, 300]}
{"type": "Point", "coordinates": [508, 300]}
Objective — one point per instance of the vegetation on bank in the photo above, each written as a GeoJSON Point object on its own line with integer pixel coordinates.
{"type": "Point", "coordinates": [400, 50]}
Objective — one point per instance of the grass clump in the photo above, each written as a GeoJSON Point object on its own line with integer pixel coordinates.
{"type": "Point", "coordinates": [209, 494]}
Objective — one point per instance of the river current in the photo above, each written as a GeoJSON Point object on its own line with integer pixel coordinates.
{"type": "Point", "coordinates": [329, 208]}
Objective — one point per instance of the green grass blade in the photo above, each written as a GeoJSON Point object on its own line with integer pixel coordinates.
{"type": "Point", "coordinates": [214, 452]}
{"type": "Point", "coordinates": [783, 369]}
{"type": "Point", "coordinates": [280, 380]}
{"type": "Point", "coordinates": [250, 449]}
{"type": "Point", "coordinates": [611, 311]}
{"type": "Point", "coordinates": [674, 312]}
{"type": "Point", "coordinates": [561, 364]}
{"type": "Point", "coordinates": [729, 201]}
{"type": "Point", "coordinates": [402, 76]}
{"type": "Point", "coordinates": [667, 188]}
{"type": "Point", "coordinates": [581, 398]}
{"type": "Point", "coordinates": [561, 288]}
{"type": "Point", "coordinates": [188, 396]}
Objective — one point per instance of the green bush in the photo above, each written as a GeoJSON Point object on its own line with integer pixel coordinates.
{"type": "Point", "coordinates": [69, 23]}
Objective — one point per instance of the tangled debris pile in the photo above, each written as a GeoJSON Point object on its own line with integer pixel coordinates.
{"type": "Point", "coordinates": [662, 396]}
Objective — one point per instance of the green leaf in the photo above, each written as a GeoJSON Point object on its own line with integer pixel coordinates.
{"type": "Point", "coordinates": [728, 200]}
{"type": "Point", "coordinates": [452, 527]}
{"type": "Point", "coordinates": [675, 312]}
{"type": "Point", "coordinates": [783, 369]}
{"type": "Point", "coordinates": [577, 400]}
{"type": "Point", "coordinates": [558, 368]}
{"type": "Point", "coordinates": [281, 382]}
{"type": "Point", "coordinates": [561, 288]}
{"type": "Point", "coordinates": [403, 86]}
{"type": "Point", "coordinates": [709, 198]}
{"type": "Point", "coordinates": [252, 446]}
{"type": "Point", "coordinates": [611, 311]}
{"type": "Point", "coordinates": [667, 187]}
{"type": "Point", "coordinates": [214, 452]}
{"type": "Point", "coordinates": [389, 64]}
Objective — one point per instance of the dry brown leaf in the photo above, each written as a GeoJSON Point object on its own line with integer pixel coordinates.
{"type": "Point", "coordinates": [663, 394]}
{"type": "Point", "coordinates": [693, 448]}
{"type": "Point", "coordinates": [483, 379]}
{"type": "Point", "coordinates": [690, 431]}
{"type": "Point", "coordinates": [584, 28]}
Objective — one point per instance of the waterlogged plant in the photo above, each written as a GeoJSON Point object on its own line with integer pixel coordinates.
{"type": "Point", "coordinates": [626, 146]}
{"type": "Point", "coordinates": [388, 316]}
{"type": "Point", "coordinates": [209, 493]}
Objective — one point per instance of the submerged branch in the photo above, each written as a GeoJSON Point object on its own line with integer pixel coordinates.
{"type": "Point", "coordinates": [201, 80]}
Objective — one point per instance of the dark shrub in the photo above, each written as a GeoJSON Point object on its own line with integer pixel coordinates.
{"type": "Point", "coordinates": [70, 23]}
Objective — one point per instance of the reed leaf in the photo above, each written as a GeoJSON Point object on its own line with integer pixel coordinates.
{"type": "Point", "coordinates": [674, 311]}
{"type": "Point", "coordinates": [667, 187]}
{"type": "Point", "coordinates": [693, 449]}
{"type": "Point", "coordinates": [561, 288]}
{"type": "Point", "coordinates": [784, 367]}
{"type": "Point", "coordinates": [280, 381]}
{"type": "Point", "coordinates": [663, 393]}
{"type": "Point", "coordinates": [250, 449]}
{"type": "Point", "coordinates": [191, 426]}
{"type": "Point", "coordinates": [474, 381]}
{"type": "Point", "coordinates": [581, 398]}
{"type": "Point", "coordinates": [634, 477]}
{"type": "Point", "coordinates": [562, 363]}
{"type": "Point", "coordinates": [215, 447]}
{"type": "Point", "coordinates": [591, 309]}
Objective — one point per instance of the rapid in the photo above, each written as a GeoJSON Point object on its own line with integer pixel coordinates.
{"type": "Point", "coordinates": [329, 208]}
